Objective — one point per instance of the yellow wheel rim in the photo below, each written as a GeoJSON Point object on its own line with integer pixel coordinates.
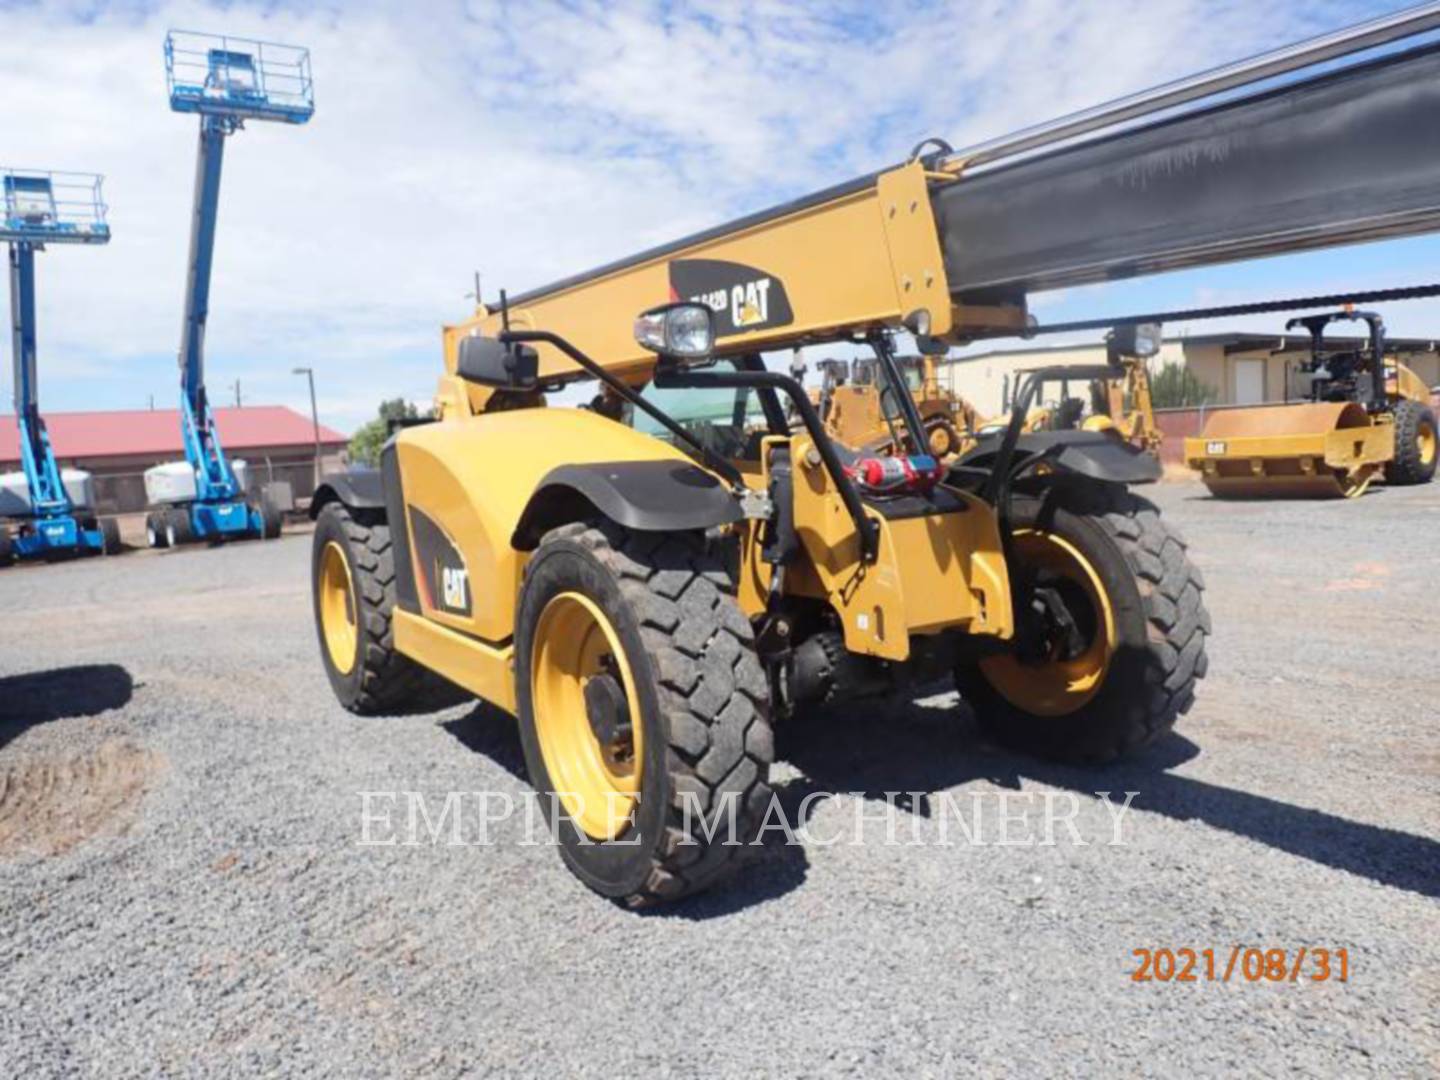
{"type": "Point", "coordinates": [597, 782]}
{"type": "Point", "coordinates": [940, 441]}
{"type": "Point", "coordinates": [1425, 438]}
{"type": "Point", "coordinates": [337, 608]}
{"type": "Point", "coordinates": [1059, 685]}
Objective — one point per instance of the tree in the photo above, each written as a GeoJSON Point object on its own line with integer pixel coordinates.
{"type": "Point", "coordinates": [1175, 386]}
{"type": "Point", "coordinates": [369, 438]}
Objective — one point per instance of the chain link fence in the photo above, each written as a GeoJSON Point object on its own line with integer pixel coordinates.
{"type": "Point", "coordinates": [124, 492]}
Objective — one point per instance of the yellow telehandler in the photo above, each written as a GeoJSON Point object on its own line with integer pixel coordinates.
{"type": "Point", "coordinates": [1364, 416]}
{"type": "Point", "coordinates": [651, 596]}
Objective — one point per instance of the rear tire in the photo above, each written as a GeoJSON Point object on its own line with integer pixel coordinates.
{"type": "Point", "coordinates": [1415, 445]}
{"type": "Point", "coordinates": [7, 546]}
{"type": "Point", "coordinates": [178, 527]}
{"type": "Point", "coordinates": [372, 678]}
{"type": "Point", "coordinates": [701, 701]}
{"type": "Point", "coordinates": [155, 530]}
{"type": "Point", "coordinates": [271, 521]}
{"type": "Point", "coordinates": [1157, 652]}
{"type": "Point", "coordinates": [109, 536]}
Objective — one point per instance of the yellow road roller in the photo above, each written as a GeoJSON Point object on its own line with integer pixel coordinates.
{"type": "Point", "coordinates": [1364, 417]}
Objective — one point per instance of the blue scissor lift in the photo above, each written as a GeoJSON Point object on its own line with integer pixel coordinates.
{"type": "Point", "coordinates": [44, 517]}
{"type": "Point", "coordinates": [225, 81]}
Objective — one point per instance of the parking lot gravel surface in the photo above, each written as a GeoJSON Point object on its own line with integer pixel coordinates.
{"type": "Point", "coordinates": [184, 889]}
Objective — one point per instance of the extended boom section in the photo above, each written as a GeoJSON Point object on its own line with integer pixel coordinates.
{"type": "Point", "coordinates": [1290, 169]}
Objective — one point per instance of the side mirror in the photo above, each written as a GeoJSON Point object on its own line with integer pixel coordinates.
{"type": "Point", "coordinates": [492, 363]}
{"type": "Point", "coordinates": [1136, 339]}
{"type": "Point", "coordinates": [683, 333]}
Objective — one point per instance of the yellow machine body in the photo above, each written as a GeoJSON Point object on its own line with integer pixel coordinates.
{"type": "Point", "coordinates": [1306, 450]}
{"type": "Point", "coordinates": [933, 573]}
{"type": "Point", "coordinates": [473, 477]}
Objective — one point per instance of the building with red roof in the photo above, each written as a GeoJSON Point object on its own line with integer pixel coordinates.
{"type": "Point", "coordinates": [117, 447]}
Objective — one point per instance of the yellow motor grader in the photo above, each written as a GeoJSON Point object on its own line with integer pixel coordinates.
{"type": "Point", "coordinates": [652, 584]}
{"type": "Point", "coordinates": [1123, 405]}
{"type": "Point", "coordinates": [1364, 416]}
{"type": "Point", "coordinates": [859, 412]}
{"type": "Point", "coordinates": [1119, 393]}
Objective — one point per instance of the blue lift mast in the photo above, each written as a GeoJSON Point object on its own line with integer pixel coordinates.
{"type": "Point", "coordinates": [225, 81]}
{"type": "Point", "coordinates": [42, 207]}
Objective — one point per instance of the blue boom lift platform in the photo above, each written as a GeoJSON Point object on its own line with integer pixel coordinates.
{"type": "Point", "coordinates": [225, 81]}
{"type": "Point", "coordinates": [48, 512]}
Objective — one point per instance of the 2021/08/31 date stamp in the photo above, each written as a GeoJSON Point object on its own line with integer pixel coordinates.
{"type": "Point", "coordinates": [1241, 964]}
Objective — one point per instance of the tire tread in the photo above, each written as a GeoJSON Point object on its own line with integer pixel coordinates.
{"type": "Point", "coordinates": [390, 681]}
{"type": "Point", "coordinates": [1406, 467]}
{"type": "Point", "coordinates": [714, 698]}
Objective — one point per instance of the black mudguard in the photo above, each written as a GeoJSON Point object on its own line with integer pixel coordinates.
{"type": "Point", "coordinates": [1093, 454]}
{"type": "Point", "coordinates": [357, 489]}
{"type": "Point", "coordinates": [647, 496]}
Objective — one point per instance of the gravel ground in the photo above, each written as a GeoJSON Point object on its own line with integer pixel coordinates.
{"type": "Point", "coordinates": [182, 889]}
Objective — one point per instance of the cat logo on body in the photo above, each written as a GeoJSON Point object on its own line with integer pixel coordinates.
{"type": "Point", "coordinates": [743, 298]}
{"type": "Point", "coordinates": [454, 588]}
{"type": "Point", "coordinates": [440, 568]}
{"type": "Point", "coordinates": [1214, 447]}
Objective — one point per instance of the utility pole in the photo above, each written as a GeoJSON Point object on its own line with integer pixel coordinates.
{"type": "Point", "coordinates": [309, 373]}
{"type": "Point", "coordinates": [237, 393]}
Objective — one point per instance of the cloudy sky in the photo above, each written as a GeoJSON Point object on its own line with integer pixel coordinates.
{"type": "Point", "coordinates": [530, 140]}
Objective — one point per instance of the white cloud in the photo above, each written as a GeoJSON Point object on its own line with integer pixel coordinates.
{"type": "Point", "coordinates": [527, 140]}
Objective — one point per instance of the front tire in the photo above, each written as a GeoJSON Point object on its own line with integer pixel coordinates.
{"type": "Point", "coordinates": [109, 536]}
{"type": "Point", "coordinates": [353, 590]}
{"type": "Point", "coordinates": [942, 437]}
{"type": "Point", "coordinates": [271, 520]}
{"type": "Point", "coordinates": [1415, 445]}
{"type": "Point", "coordinates": [639, 686]}
{"type": "Point", "coordinates": [1120, 673]}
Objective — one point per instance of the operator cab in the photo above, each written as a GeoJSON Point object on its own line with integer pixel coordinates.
{"type": "Point", "coordinates": [729, 422]}
{"type": "Point", "coordinates": [1349, 373]}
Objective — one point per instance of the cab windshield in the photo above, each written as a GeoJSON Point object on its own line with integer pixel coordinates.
{"type": "Point", "coordinates": [725, 421]}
